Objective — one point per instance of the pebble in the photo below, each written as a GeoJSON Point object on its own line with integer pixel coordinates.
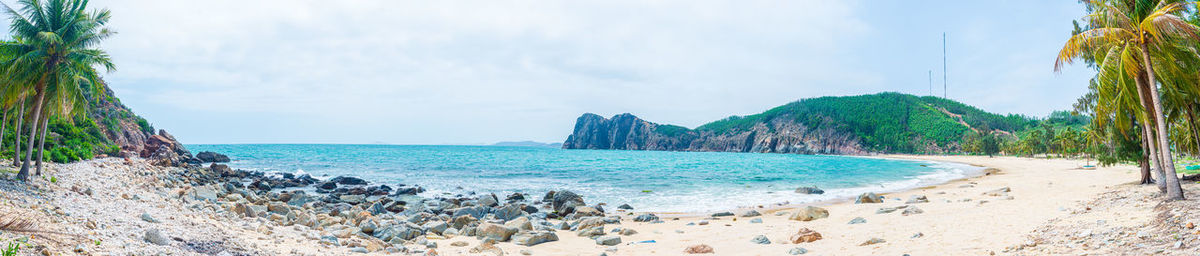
{"type": "Point", "coordinates": [797, 251]}
{"type": "Point", "coordinates": [858, 220]}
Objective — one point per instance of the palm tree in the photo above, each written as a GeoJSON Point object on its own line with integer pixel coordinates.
{"type": "Point", "coordinates": [1137, 26]}
{"type": "Point", "coordinates": [55, 42]}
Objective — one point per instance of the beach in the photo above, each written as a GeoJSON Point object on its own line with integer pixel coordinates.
{"type": "Point", "coordinates": [109, 206]}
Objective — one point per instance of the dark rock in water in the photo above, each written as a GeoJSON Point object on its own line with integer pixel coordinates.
{"type": "Point", "coordinates": [722, 214]}
{"type": "Point", "coordinates": [868, 198]}
{"type": "Point", "coordinates": [260, 185]}
{"type": "Point", "coordinates": [347, 180]}
{"type": "Point", "coordinates": [564, 202]}
{"type": "Point", "coordinates": [625, 207]}
{"type": "Point", "coordinates": [211, 157]}
{"type": "Point", "coordinates": [329, 185]}
{"type": "Point", "coordinates": [395, 207]}
{"type": "Point", "coordinates": [153, 236]}
{"type": "Point", "coordinates": [810, 190]}
{"type": "Point", "coordinates": [409, 190]}
{"type": "Point", "coordinates": [224, 170]}
{"type": "Point", "coordinates": [381, 190]}
{"type": "Point", "coordinates": [515, 197]}
{"type": "Point", "coordinates": [529, 209]}
{"type": "Point", "coordinates": [549, 196]}
{"type": "Point", "coordinates": [645, 218]}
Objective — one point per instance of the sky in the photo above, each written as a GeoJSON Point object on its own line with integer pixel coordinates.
{"type": "Point", "coordinates": [479, 72]}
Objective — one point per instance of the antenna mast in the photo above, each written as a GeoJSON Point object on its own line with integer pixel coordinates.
{"type": "Point", "coordinates": [944, 87]}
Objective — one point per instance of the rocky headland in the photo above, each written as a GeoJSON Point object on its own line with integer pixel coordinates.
{"type": "Point", "coordinates": [782, 135]}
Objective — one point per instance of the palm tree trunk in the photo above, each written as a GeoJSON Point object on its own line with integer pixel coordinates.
{"type": "Point", "coordinates": [3, 125]}
{"type": "Point", "coordinates": [17, 134]}
{"type": "Point", "coordinates": [23, 174]}
{"type": "Point", "coordinates": [42, 144]}
{"type": "Point", "coordinates": [1174, 190]}
{"type": "Point", "coordinates": [1144, 161]}
{"type": "Point", "coordinates": [1191, 117]}
{"type": "Point", "coordinates": [1148, 132]}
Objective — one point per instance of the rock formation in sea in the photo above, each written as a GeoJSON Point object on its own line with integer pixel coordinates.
{"type": "Point", "coordinates": [626, 131]}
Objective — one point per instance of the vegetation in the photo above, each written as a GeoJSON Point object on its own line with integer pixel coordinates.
{"type": "Point", "coordinates": [49, 74]}
{"type": "Point", "coordinates": [1146, 87]}
{"type": "Point", "coordinates": [887, 122]}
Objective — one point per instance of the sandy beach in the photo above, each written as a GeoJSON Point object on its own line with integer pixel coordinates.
{"type": "Point", "coordinates": [960, 218]}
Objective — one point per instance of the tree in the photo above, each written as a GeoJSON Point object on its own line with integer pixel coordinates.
{"type": "Point", "coordinates": [1137, 26]}
{"type": "Point", "coordinates": [55, 44]}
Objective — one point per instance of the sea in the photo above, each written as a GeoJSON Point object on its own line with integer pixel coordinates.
{"type": "Point", "coordinates": [660, 181]}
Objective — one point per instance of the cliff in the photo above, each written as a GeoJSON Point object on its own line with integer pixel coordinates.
{"type": "Point", "coordinates": [853, 125]}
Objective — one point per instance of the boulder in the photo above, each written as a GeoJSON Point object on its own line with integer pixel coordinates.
{"type": "Point", "coordinates": [810, 190]}
{"type": "Point", "coordinates": [911, 211]}
{"type": "Point", "coordinates": [698, 249]}
{"type": "Point", "coordinates": [810, 213]}
{"type": "Point", "coordinates": [163, 150]}
{"type": "Point", "coordinates": [205, 193]}
{"type": "Point", "coordinates": [805, 235]}
{"type": "Point", "coordinates": [328, 185]}
{"type": "Point", "coordinates": [564, 202]}
{"type": "Point", "coordinates": [488, 200]}
{"type": "Point", "coordinates": [649, 217]}
{"type": "Point", "coordinates": [531, 238]}
{"type": "Point", "coordinates": [868, 198]}
{"type": "Point", "coordinates": [211, 157]}
{"type": "Point", "coordinates": [590, 232]}
{"type": "Point", "coordinates": [347, 180]}
{"type": "Point", "coordinates": [751, 213]}
{"type": "Point", "coordinates": [587, 211]}
{"type": "Point", "coordinates": [508, 212]}
{"type": "Point", "coordinates": [608, 240]}
{"type": "Point", "coordinates": [515, 197]}
{"type": "Point", "coordinates": [761, 239]}
{"type": "Point", "coordinates": [155, 237]}
{"type": "Point", "coordinates": [495, 232]}
{"type": "Point", "coordinates": [625, 207]}
{"type": "Point", "coordinates": [917, 199]}
{"type": "Point", "coordinates": [520, 223]}
{"type": "Point", "coordinates": [874, 240]}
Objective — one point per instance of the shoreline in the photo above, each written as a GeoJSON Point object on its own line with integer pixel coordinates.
{"type": "Point", "coordinates": [960, 217]}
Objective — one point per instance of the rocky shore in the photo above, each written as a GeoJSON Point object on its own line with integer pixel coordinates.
{"type": "Point", "coordinates": [114, 206]}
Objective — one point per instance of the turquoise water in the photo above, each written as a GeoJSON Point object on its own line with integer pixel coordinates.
{"type": "Point", "coordinates": [675, 181]}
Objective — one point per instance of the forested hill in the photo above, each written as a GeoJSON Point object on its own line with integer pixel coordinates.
{"type": "Point", "coordinates": [883, 122]}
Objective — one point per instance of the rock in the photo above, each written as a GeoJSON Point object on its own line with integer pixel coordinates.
{"type": "Point", "coordinates": [810, 213]}
{"type": "Point", "coordinates": [703, 222]}
{"type": "Point", "coordinates": [564, 202]}
{"type": "Point", "coordinates": [549, 196]}
{"type": "Point", "coordinates": [278, 208]}
{"type": "Point", "coordinates": [627, 232]}
{"type": "Point", "coordinates": [436, 227]}
{"type": "Point", "coordinates": [911, 211]}
{"type": "Point", "coordinates": [211, 157]}
{"type": "Point", "coordinates": [874, 240]}
{"type": "Point", "coordinates": [163, 150]}
{"type": "Point", "coordinates": [509, 212]}
{"type": "Point", "coordinates": [722, 214]}
{"type": "Point", "coordinates": [625, 207]}
{"type": "Point", "coordinates": [858, 220]}
{"type": "Point", "coordinates": [810, 190]}
{"type": "Point", "coordinates": [409, 190]}
{"type": "Point", "coordinates": [147, 218]}
{"type": "Point", "coordinates": [515, 197]}
{"type": "Point", "coordinates": [751, 213]}
{"type": "Point", "coordinates": [698, 249]}
{"type": "Point", "coordinates": [917, 199]}
{"type": "Point", "coordinates": [488, 246]}
{"type": "Point", "coordinates": [353, 199]}
{"type": "Point", "coordinates": [756, 220]}
{"type": "Point", "coordinates": [998, 192]}
{"type": "Point", "coordinates": [883, 210]}
{"type": "Point", "coordinates": [205, 193]}
{"type": "Point", "coordinates": [797, 251]}
{"type": "Point", "coordinates": [608, 240]}
{"type": "Point", "coordinates": [531, 238]}
{"type": "Point", "coordinates": [462, 221]}
{"type": "Point", "coordinates": [153, 236]}
{"type": "Point", "coordinates": [495, 232]}
{"type": "Point", "coordinates": [244, 211]}
{"type": "Point", "coordinates": [520, 223]}
{"type": "Point", "coordinates": [918, 235]}
{"type": "Point", "coordinates": [590, 232]}
{"type": "Point", "coordinates": [868, 198]}
{"type": "Point", "coordinates": [805, 235]}
{"type": "Point", "coordinates": [459, 243]}
{"type": "Point", "coordinates": [645, 218]}
{"type": "Point", "coordinates": [488, 200]}
{"type": "Point", "coordinates": [328, 185]}
{"type": "Point", "coordinates": [761, 239]}
{"type": "Point", "coordinates": [587, 211]}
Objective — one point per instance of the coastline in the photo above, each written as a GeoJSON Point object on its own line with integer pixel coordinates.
{"type": "Point", "coordinates": [1042, 191]}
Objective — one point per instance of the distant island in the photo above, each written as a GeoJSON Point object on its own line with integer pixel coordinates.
{"type": "Point", "coordinates": [527, 144]}
{"type": "Point", "coordinates": [875, 123]}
